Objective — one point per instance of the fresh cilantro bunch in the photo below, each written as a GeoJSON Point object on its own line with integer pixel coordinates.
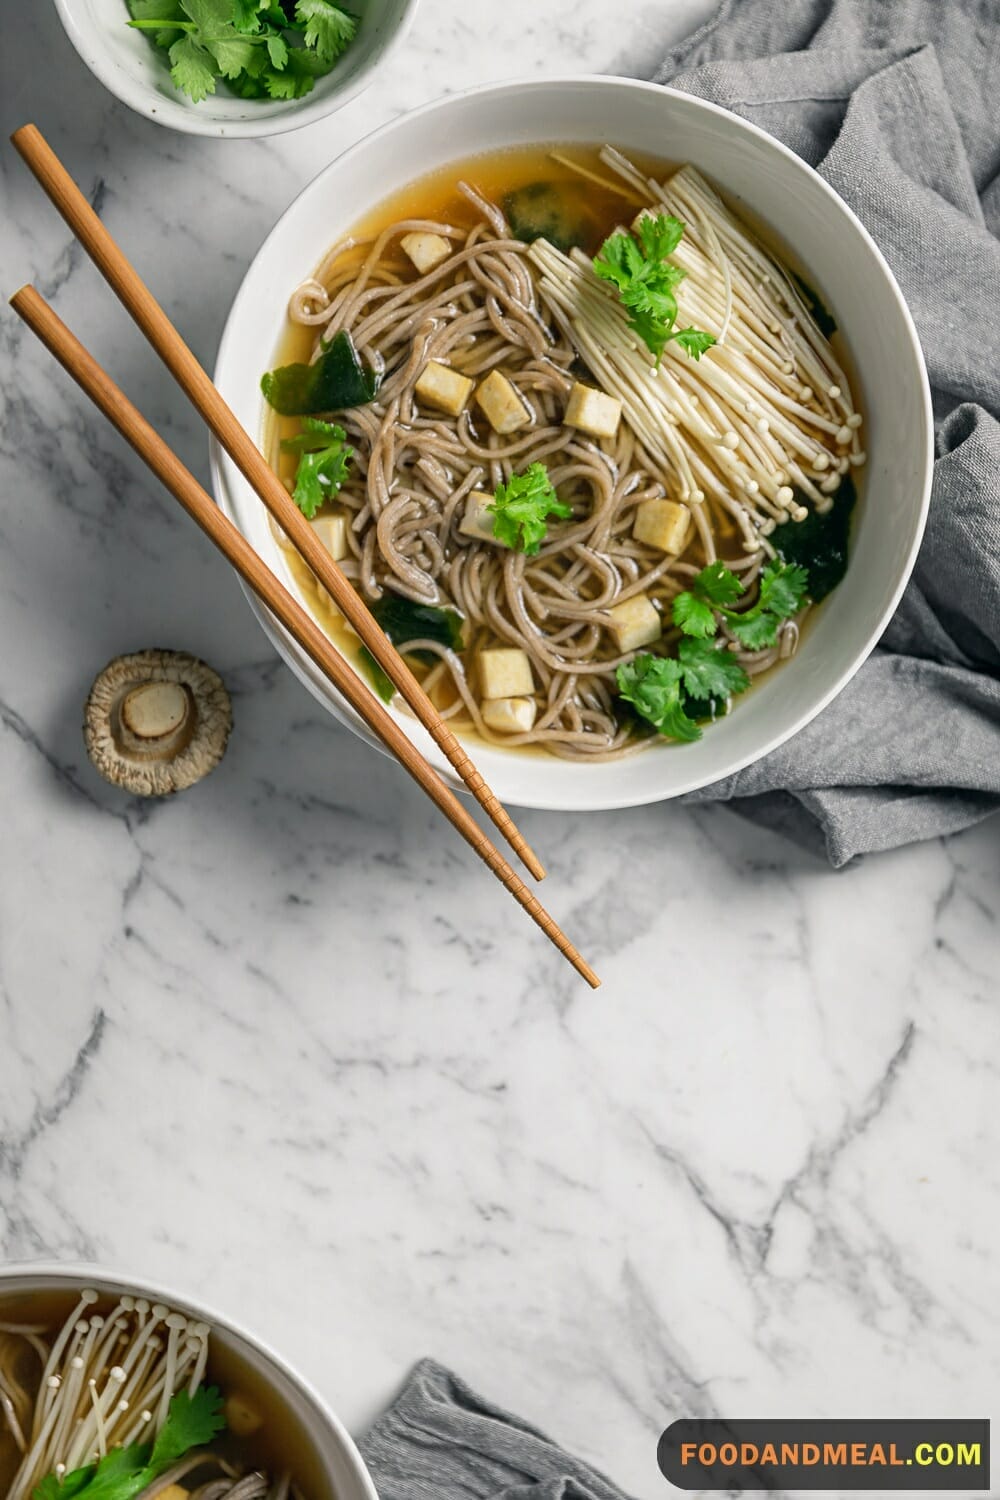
{"type": "Point", "coordinates": [324, 460]}
{"type": "Point", "coordinates": [663, 688]}
{"type": "Point", "coordinates": [521, 508]}
{"type": "Point", "coordinates": [647, 283]}
{"type": "Point", "coordinates": [263, 49]}
{"type": "Point", "coordinates": [192, 1421]}
{"type": "Point", "coordinates": [781, 591]}
{"type": "Point", "coordinates": [672, 692]}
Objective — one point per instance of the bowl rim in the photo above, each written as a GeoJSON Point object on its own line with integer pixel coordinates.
{"type": "Point", "coordinates": [175, 114]}
{"type": "Point", "coordinates": [219, 461]}
{"type": "Point", "coordinates": [80, 1273]}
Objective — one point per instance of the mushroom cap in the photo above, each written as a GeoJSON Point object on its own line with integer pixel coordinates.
{"type": "Point", "coordinates": [157, 721]}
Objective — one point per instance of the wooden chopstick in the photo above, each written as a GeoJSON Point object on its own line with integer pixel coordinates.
{"type": "Point", "coordinates": [181, 483]}
{"type": "Point", "coordinates": [129, 287]}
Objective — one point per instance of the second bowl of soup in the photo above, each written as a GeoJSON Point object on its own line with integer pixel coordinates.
{"type": "Point", "coordinates": [102, 1377]}
{"type": "Point", "coordinates": [616, 421]}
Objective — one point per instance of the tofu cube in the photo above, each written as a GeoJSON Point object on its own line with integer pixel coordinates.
{"type": "Point", "coordinates": [477, 521]}
{"type": "Point", "coordinates": [501, 405]}
{"type": "Point", "coordinates": [444, 388]}
{"type": "Point", "coordinates": [426, 250]}
{"type": "Point", "coordinates": [505, 672]}
{"type": "Point", "coordinates": [593, 411]}
{"type": "Point", "coordinates": [332, 532]}
{"type": "Point", "coordinates": [509, 715]}
{"type": "Point", "coordinates": [634, 623]}
{"type": "Point", "coordinates": [664, 524]}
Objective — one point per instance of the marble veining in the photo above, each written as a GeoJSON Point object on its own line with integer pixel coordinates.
{"type": "Point", "coordinates": [280, 1041]}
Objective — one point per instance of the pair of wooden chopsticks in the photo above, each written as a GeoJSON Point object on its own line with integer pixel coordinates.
{"type": "Point", "coordinates": [125, 281]}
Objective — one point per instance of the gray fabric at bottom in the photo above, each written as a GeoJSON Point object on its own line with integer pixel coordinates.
{"type": "Point", "coordinates": [440, 1441]}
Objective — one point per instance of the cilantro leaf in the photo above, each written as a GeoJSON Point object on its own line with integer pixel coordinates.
{"type": "Point", "coordinates": [246, 14]}
{"type": "Point", "coordinates": [328, 29]}
{"type": "Point", "coordinates": [231, 50]}
{"type": "Point", "coordinates": [782, 587]}
{"type": "Point", "coordinates": [263, 48]}
{"type": "Point", "coordinates": [192, 1421]}
{"type": "Point", "coordinates": [663, 690]}
{"type": "Point", "coordinates": [713, 588]}
{"type": "Point", "coordinates": [710, 672]}
{"type": "Point", "coordinates": [324, 460]}
{"type": "Point", "coordinates": [123, 1473]}
{"type": "Point", "coordinates": [646, 280]}
{"type": "Point", "coordinates": [753, 629]}
{"type": "Point", "coordinates": [652, 684]}
{"type": "Point", "coordinates": [277, 49]}
{"type": "Point", "coordinates": [521, 508]}
{"type": "Point", "coordinates": [693, 341]}
{"type": "Point", "coordinates": [693, 615]}
{"type": "Point", "coordinates": [717, 584]}
{"type": "Point", "coordinates": [51, 1488]}
{"type": "Point", "coordinates": [191, 69]}
{"type": "Point", "coordinates": [660, 234]}
{"type": "Point", "coordinates": [781, 591]}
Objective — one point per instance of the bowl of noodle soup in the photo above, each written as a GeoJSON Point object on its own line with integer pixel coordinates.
{"type": "Point", "coordinates": [629, 550]}
{"type": "Point", "coordinates": [99, 1371]}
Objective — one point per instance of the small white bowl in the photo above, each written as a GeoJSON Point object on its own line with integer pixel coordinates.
{"type": "Point", "coordinates": [336, 1456]}
{"type": "Point", "coordinates": [134, 71]}
{"type": "Point", "coordinates": [824, 235]}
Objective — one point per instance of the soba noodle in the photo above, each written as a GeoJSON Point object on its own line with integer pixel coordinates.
{"type": "Point", "coordinates": [767, 409]}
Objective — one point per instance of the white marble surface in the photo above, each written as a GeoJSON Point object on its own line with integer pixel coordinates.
{"type": "Point", "coordinates": [280, 1042]}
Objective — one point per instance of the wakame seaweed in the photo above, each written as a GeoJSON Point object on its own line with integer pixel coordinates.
{"type": "Point", "coordinates": [820, 543]}
{"type": "Point", "coordinates": [538, 212]}
{"type": "Point", "coordinates": [403, 621]}
{"type": "Point", "coordinates": [818, 310]}
{"type": "Point", "coordinates": [334, 382]}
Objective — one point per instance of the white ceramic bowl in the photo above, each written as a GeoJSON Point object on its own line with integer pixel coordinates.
{"type": "Point", "coordinates": [137, 73]}
{"type": "Point", "coordinates": [846, 266]}
{"type": "Point", "coordinates": [333, 1450]}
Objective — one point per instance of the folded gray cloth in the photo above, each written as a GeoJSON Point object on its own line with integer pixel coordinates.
{"type": "Point", "coordinates": [895, 103]}
{"type": "Point", "coordinates": [440, 1441]}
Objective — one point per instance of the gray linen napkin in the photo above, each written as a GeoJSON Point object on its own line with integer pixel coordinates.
{"type": "Point", "coordinates": [440, 1441]}
{"type": "Point", "coordinates": [895, 103]}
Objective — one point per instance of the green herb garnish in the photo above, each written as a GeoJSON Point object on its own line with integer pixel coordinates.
{"type": "Point", "coordinates": [781, 590]}
{"type": "Point", "coordinates": [323, 463]}
{"type": "Point", "coordinates": [334, 382]}
{"type": "Point", "coordinates": [262, 48]}
{"type": "Point", "coordinates": [192, 1421]}
{"type": "Point", "coordinates": [647, 283]}
{"type": "Point", "coordinates": [521, 508]}
{"type": "Point", "coordinates": [662, 689]}
{"type": "Point", "coordinates": [672, 693]}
